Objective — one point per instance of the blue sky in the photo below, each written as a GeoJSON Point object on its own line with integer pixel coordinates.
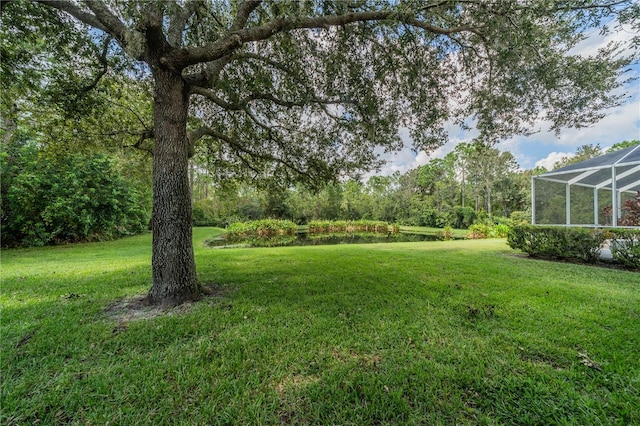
{"type": "Point", "coordinates": [545, 148]}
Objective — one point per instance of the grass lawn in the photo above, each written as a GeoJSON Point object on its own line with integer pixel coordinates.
{"type": "Point", "coordinates": [460, 332]}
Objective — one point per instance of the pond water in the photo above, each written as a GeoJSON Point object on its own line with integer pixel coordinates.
{"type": "Point", "coordinates": [305, 239]}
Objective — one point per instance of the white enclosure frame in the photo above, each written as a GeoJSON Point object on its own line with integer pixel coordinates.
{"type": "Point", "coordinates": [617, 172]}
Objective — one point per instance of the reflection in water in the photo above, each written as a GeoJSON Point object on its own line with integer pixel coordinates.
{"type": "Point", "coordinates": [306, 239]}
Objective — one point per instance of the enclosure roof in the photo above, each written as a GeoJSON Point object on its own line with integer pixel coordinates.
{"type": "Point", "coordinates": [598, 172]}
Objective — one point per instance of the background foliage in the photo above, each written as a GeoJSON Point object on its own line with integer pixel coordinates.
{"type": "Point", "coordinates": [65, 198]}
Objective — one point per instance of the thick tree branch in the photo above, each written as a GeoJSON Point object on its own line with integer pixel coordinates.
{"type": "Point", "coordinates": [194, 55]}
{"type": "Point", "coordinates": [111, 22]}
{"type": "Point", "coordinates": [179, 21]}
{"type": "Point", "coordinates": [242, 103]}
{"type": "Point", "coordinates": [147, 134]}
{"type": "Point", "coordinates": [239, 148]}
{"type": "Point", "coordinates": [77, 12]}
{"type": "Point", "coordinates": [209, 76]}
{"type": "Point", "coordinates": [244, 11]}
{"type": "Point", "coordinates": [103, 67]}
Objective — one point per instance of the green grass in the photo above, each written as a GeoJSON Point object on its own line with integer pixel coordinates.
{"type": "Point", "coordinates": [460, 332]}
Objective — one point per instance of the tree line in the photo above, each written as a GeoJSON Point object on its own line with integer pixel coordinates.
{"type": "Point", "coordinates": [473, 182]}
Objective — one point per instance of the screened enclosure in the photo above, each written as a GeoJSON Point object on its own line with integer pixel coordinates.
{"type": "Point", "coordinates": [590, 193]}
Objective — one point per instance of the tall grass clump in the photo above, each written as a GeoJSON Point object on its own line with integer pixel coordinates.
{"type": "Point", "coordinates": [339, 226]}
{"type": "Point", "coordinates": [261, 228]}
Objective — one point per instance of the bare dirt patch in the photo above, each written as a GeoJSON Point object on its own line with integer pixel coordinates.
{"type": "Point", "coordinates": [135, 308]}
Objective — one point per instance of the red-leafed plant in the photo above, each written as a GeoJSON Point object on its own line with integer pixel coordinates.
{"type": "Point", "coordinates": [631, 209]}
{"type": "Point", "coordinates": [630, 212]}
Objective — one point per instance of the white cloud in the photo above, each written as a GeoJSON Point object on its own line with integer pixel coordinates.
{"type": "Point", "coordinates": [550, 160]}
{"type": "Point", "coordinates": [596, 41]}
{"type": "Point", "coordinates": [622, 123]}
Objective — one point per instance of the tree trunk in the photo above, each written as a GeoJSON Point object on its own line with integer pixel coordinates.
{"type": "Point", "coordinates": [173, 263]}
{"type": "Point", "coordinates": [462, 192]}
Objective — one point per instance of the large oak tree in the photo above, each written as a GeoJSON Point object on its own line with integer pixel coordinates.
{"type": "Point", "coordinates": [304, 90]}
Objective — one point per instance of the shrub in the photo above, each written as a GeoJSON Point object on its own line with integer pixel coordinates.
{"type": "Point", "coordinates": [433, 218]}
{"type": "Point", "coordinates": [332, 226]}
{"type": "Point", "coordinates": [502, 220]}
{"type": "Point", "coordinates": [499, 231]}
{"type": "Point", "coordinates": [478, 231]}
{"type": "Point", "coordinates": [625, 247]}
{"type": "Point", "coordinates": [205, 213]}
{"type": "Point", "coordinates": [558, 242]}
{"type": "Point", "coordinates": [446, 234]}
{"type": "Point", "coordinates": [520, 218]}
{"type": "Point", "coordinates": [463, 217]}
{"type": "Point", "coordinates": [67, 199]}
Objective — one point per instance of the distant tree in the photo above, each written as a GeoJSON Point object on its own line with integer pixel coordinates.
{"type": "Point", "coordinates": [463, 152]}
{"type": "Point", "coordinates": [488, 166]}
{"type": "Point", "coordinates": [623, 144]}
{"type": "Point", "coordinates": [583, 152]}
{"type": "Point", "coordinates": [354, 203]}
{"type": "Point", "coordinates": [276, 204]}
{"type": "Point", "coordinates": [438, 183]}
{"type": "Point", "coordinates": [513, 192]}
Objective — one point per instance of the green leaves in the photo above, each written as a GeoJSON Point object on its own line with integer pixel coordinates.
{"type": "Point", "coordinates": [558, 242]}
{"type": "Point", "coordinates": [66, 199]}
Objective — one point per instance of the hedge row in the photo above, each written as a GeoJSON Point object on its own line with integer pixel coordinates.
{"type": "Point", "coordinates": [578, 244]}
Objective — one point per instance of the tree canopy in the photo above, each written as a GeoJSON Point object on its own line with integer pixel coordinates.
{"type": "Point", "coordinates": [303, 91]}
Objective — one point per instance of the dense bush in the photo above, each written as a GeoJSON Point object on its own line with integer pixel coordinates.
{"type": "Point", "coordinates": [463, 217]}
{"type": "Point", "coordinates": [433, 218]}
{"type": "Point", "coordinates": [558, 242]}
{"type": "Point", "coordinates": [205, 213]}
{"type": "Point", "coordinates": [500, 230]}
{"type": "Point", "coordinates": [478, 231]}
{"type": "Point", "coordinates": [446, 234]}
{"type": "Point", "coordinates": [457, 217]}
{"type": "Point", "coordinates": [625, 247]}
{"type": "Point", "coordinates": [520, 218]}
{"type": "Point", "coordinates": [66, 199]}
